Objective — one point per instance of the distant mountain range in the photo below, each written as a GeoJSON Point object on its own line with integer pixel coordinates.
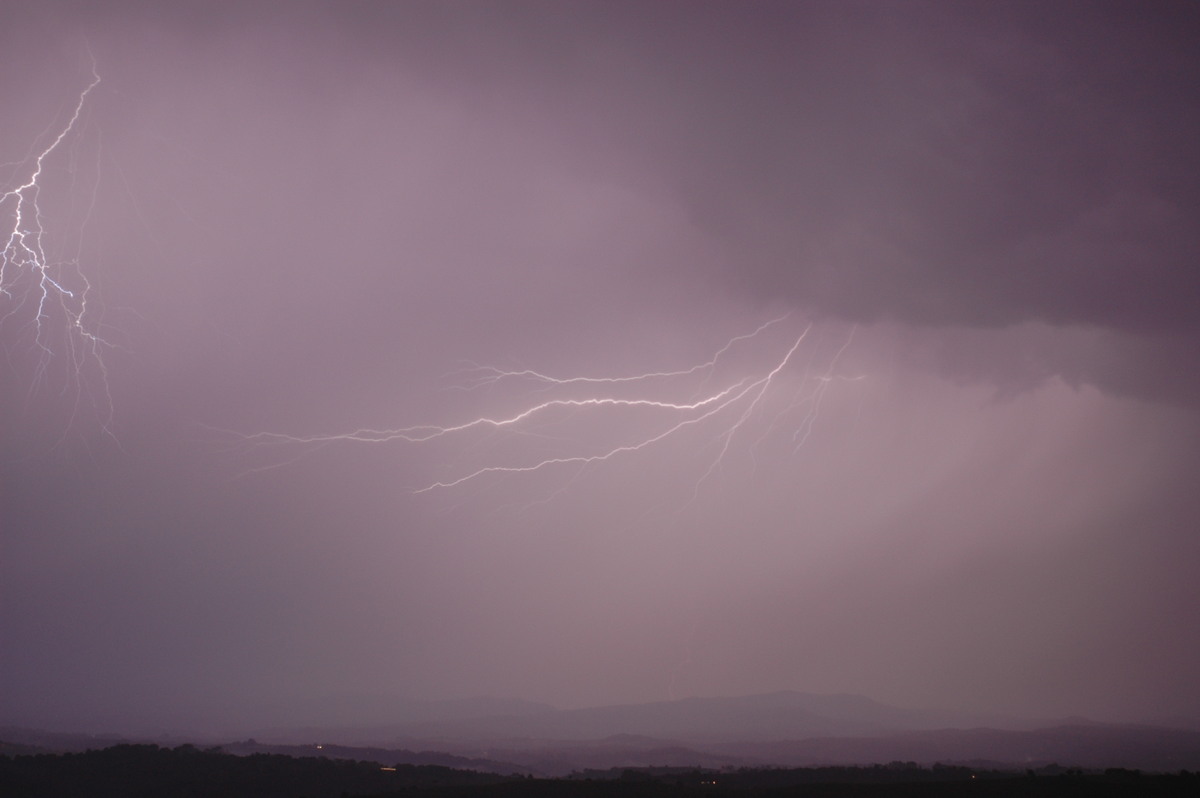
{"type": "Point", "coordinates": [764, 717]}
{"type": "Point", "coordinates": [786, 729]}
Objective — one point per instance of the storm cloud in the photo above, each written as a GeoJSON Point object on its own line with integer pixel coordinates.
{"type": "Point", "coordinates": [972, 486]}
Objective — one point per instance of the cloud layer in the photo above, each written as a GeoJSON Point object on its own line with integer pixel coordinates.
{"type": "Point", "coordinates": [970, 487]}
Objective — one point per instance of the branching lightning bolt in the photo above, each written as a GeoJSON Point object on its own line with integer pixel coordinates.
{"type": "Point", "coordinates": [30, 280]}
{"type": "Point", "coordinates": [738, 399]}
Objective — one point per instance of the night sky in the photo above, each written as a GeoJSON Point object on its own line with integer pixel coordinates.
{"type": "Point", "coordinates": [972, 484]}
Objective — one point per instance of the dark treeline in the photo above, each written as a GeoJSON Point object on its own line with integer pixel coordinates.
{"type": "Point", "coordinates": [133, 771]}
{"type": "Point", "coordinates": [148, 771]}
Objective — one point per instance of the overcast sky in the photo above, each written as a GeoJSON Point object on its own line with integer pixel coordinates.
{"type": "Point", "coordinates": [958, 470]}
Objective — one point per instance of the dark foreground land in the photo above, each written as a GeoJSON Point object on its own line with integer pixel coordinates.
{"type": "Point", "coordinates": [148, 771]}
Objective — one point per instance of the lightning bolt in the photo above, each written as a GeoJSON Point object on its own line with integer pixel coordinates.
{"type": "Point", "coordinates": [35, 284]}
{"type": "Point", "coordinates": [735, 399]}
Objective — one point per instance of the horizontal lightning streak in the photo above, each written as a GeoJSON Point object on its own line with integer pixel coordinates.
{"type": "Point", "coordinates": [744, 395]}
{"type": "Point", "coordinates": [424, 433]}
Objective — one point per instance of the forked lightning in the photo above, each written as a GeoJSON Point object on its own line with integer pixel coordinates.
{"type": "Point", "coordinates": [738, 400]}
{"type": "Point", "coordinates": [37, 289]}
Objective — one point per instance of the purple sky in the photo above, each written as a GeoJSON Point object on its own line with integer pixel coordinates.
{"type": "Point", "coordinates": [309, 218]}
